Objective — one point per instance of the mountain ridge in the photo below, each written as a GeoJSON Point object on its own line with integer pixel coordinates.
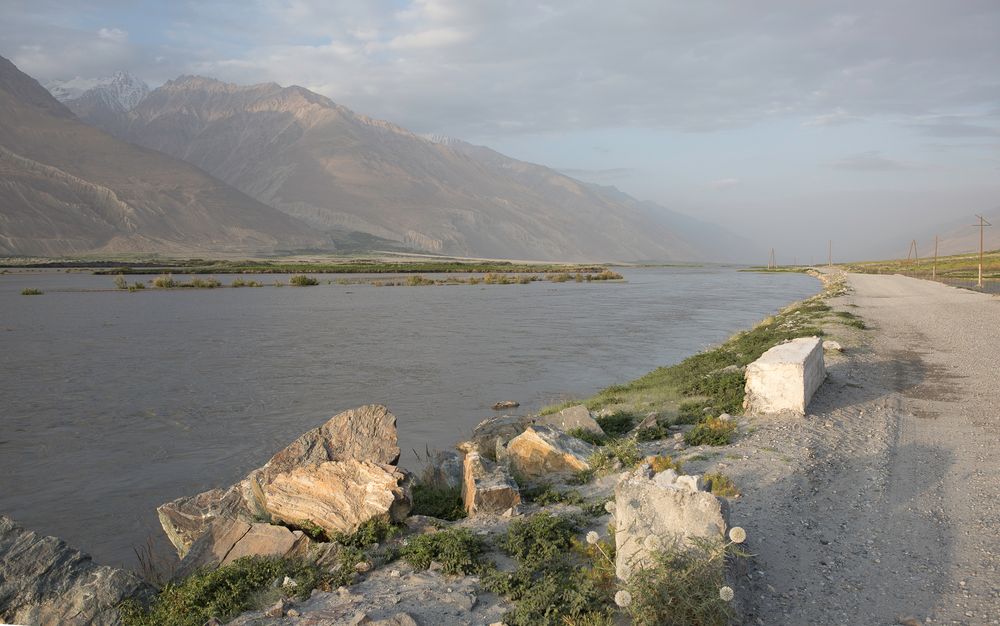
{"type": "Point", "coordinates": [321, 162]}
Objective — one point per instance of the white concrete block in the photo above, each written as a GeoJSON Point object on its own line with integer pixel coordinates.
{"type": "Point", "coordinates": [785, 377]}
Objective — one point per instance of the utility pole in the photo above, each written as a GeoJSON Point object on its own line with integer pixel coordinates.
{"type": "Point", "coordinates": [934, 269]}
{"type": "Point", "coordinates": [830, 259]}
{"type": "Point", "coordinates": [982, 226]}
{"type": "Point", "coordinates": [913, 252]}
{"type": "Point", "coordinates": [770, 262]}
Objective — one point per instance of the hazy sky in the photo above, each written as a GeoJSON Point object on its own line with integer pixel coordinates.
{"type": "Point", "coordinates": [792, 122]}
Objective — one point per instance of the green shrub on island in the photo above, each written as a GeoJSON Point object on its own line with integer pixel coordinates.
{"type": "Point", "coordinates": [31, 291]}
{"type": "Point", "coordinates": [202, 283]}
{"type": "Point", "coordinates": [121, 282]}
{"type": "Point", "coordinates": [241, 282]}
{"type": "Point", "coordinates": [301, 280]}
{"type": "Point", "coordinates": [246, 584]}
{"type": "Point", "coordinates": [165, 281]}
{"type": "Point", "coordinates": [418, 281]}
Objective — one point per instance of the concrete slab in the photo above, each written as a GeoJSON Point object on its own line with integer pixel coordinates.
{"type": "Point", "coordinates": [785, 377]}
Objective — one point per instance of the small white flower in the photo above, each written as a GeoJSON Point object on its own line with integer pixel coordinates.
{"type": "Point", "coordinates": [623, 598]}
{"type": "Point", "coordinates": [609, 506]}
{"type": "Point", "coordinates": [593, 537]}
{"type": "Point", "coordinates": [726, 593]}
{"type": "Point", "coordinates": [737, 534]}
{"type": "Point", "coordinates": [651, 542]}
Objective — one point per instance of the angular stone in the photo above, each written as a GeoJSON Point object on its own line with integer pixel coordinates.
{"type": "Point", "coordinates": [541, 451]}
{"type": "Point", "coordinates": [832, 346]}
{"type": "Point", "coordinates": [187, 518]}
{"type": "Point", "coordinates": [498, 431]}
{"type": "Point", "coordinates": [213, 546]}
{"type": "Point", "coordinates": [785, 377]}
{"type": "Point", "coordinates": [487, 487]}
{"type": "Point", "coordinates": [367, 433]}
{"type": "Point", "coordinates": [44, 581]}
{"type": "Point", "coordinates": [570, 419]}
{"type": "Point", "coordinates": [339, 496]}
{"type": "Point", "coordinates": [503, 405]}
{"type": "Point", "coordinates": [265, 540]}
{"type": "Point", "coordinates": [444, 471]}
{"type": "Point", "coordinates": [652, 512]}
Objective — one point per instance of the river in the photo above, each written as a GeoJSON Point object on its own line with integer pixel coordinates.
{"type": "Point", "coordinates": [114, 402]}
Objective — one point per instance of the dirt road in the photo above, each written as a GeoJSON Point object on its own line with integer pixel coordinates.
{"type": "Point", "coordinates": [883, 505]}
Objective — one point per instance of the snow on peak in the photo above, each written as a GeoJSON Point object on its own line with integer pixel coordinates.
{"type": "Point", "coordinates": [120, 90]}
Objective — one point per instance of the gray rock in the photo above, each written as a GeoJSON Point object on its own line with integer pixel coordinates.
{"type": "Point", "coordinates": [44, 581]}
{"type": "Point", "coordinates": [652, 512]}
{"type": "Point", "coordinates": [832, 346]}
{"type": "Point", "coordinates": [498, 431]}
{"type": "Point", "coordinates": [444, 471]}
{"type": "Point", "coordinates": [570, 419]}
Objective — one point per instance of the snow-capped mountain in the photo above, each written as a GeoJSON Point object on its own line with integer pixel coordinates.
{"type": "Point", "coordinates": [120, 90]}
{"type": "Point", "coordinates": [103, 102]}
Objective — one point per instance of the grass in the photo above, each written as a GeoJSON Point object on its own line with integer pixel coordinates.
{"type": "Point", "coordinates": [558, 581]}
{"type": "Point", "coordinates": [720, 485]}
{"type": "Point", "coordinates": [362, 266]}
{"type": "Point", "coordinates": [244, 585]}
{"type": "Point", "coordinates": [31, 291]}
{"type": "Point", "coordinates": [682, 586]}
{"type": "Point", "coordinates": [374, 531]}
{"type": "Point", "coordinates": [440, 502]}
{"type": "Point", "coordinates": [953, 267]}
{"type": "Point", "coordinates": [663, 463]}
{"type": "Point", "coordinates": [711, 432]}
{"type": "Point", "coordinates": [614, 455]}
{"type": "Point", "coordinates": [711, 382]}
{"type": "Point", "coordinates": [458, 550]}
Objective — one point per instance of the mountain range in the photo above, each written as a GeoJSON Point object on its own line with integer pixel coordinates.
{"type": "Point", "coordinates": [324, 173]}
{"type": "Point", "coordinates": [67, 188]}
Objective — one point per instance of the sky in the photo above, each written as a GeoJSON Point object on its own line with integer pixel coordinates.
{"type": "Point", "coordinates": [791, 122]}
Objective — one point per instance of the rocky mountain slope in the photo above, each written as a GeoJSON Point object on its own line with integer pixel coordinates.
{"type": "Point", "coordinates": [69, 188]}
{"type": "Point", "coordinates": [305, 155]}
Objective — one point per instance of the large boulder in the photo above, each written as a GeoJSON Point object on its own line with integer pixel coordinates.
{"type": "Point", "coordinates": [495, 432]}
{"type": "Point", "coordinates": [542, 451]}
{"type": "Point", "coordinates": [487, 487]}
{"type": "Point", "coordinates": [44, 581]}
{"type": "Point", "coordinates": [656, 511]}
{"type": "Point", "coordinates": [338, 496]}
{"type": "Point", "coordinates": [572, 418]}
{"type": "Point", "coordinates": [227, 540]}
{"type": "Point", "coordinates": [367, 433]}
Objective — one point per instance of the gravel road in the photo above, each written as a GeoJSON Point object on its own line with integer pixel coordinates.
{"type": "Point", "coordinates": [883, 505]}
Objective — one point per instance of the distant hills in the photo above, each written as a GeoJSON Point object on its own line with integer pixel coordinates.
{"type": "Point", "coordinates": [962, 235]}
{"type": "Point", "coordinates": [319, 175]}
{"type": "Point", "coordinates": [67, 188]}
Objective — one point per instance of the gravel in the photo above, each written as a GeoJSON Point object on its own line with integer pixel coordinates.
{"type": "Point", "coordinates": [882, 506]}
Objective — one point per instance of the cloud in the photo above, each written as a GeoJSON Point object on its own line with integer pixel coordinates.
{"type": "Point", "coordinates": [113, 34]}
{"type": "Point", "coordinates": [839, 117]}
{"type": "Point", "coordinates": [476, 69]}
{"type": "Point", "coordinates": [871, 161]}
{"type": "Point", "coordinates": [725, 183]}
{"type": "Point", "coordinates": [955, 126]}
